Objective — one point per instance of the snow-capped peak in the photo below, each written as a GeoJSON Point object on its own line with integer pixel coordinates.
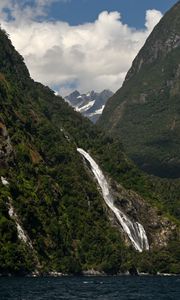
{"type": "Point", "coordinates": [90, 104]}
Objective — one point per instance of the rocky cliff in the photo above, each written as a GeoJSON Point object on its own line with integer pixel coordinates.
{"type": "Point", "coordinates": [53, 217]}
{"type": "Point", "coordinates": [145, 112]}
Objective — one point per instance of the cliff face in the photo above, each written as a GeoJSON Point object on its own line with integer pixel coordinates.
{"type": "Point", "coordinates": [145, 112]}
{"type": "Point", "coordinates": [52, 215]}
{"type": "Point", "coordinates": [46, 222]}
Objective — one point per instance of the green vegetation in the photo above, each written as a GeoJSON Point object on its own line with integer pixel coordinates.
{"type": "Point", "coordinates": [55, 199]}
{"type": "Point", "coordinates": [145, 112]}
{"type": "Point", "coordinates": [53, 193]}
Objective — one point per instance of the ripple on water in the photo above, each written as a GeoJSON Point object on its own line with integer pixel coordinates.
{"type": "Point", "coordinates": [88, 288]}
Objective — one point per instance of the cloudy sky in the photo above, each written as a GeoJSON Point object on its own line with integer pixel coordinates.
{"type": "Point", "coordinates": [80, 44]}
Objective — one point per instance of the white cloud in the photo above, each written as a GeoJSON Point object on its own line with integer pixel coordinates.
{"type": "Point", "coordinates": [88, 56]}
{"type": "Point", "coordinates": [152, 16]}
{"type": "Point", "coordinates": [25, 9]}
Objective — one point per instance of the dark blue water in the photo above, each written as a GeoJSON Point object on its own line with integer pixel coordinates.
{"type": "Point", "coordinates": [97, 288]}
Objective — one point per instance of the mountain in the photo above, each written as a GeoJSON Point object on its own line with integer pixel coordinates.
{"type": "Point", "coordinates": [91, 104]}
{"type": "Point", "coordinates": [70, 199]}
{"type": "Point", "coordinates": [145, 112]}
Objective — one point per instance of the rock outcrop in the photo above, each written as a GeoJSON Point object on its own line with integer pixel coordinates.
{"type": "Point", "coordinates": [145, 112]}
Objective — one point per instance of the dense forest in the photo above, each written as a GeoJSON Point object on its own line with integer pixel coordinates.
{"type": "Point", "coordinates": [54, 195]}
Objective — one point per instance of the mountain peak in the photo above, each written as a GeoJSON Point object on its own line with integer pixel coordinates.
{"type": "Point", "coordinates": [11, 62]}
{"type": "Point", "coordinates": [145, 111]}
{"type": "Point", "coordinates": [53, 218]}
{"type": "Point", "coordinates": [90, 104]}
{"type": "Point", "coordinates": [164, 38]}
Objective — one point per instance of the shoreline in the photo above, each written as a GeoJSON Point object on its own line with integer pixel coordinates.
{"type": "Point", "coordinates": [84, 274]}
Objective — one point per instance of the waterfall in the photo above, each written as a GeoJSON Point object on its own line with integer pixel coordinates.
{"type": "Point", "coordinates": [22, 235]}
{"type": "Point", "coordinates": [134, 230]}
{"type": "Point", "coordinates": [20, 231]}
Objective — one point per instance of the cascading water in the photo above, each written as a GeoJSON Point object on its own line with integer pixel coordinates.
{"type": "Point", "coordinates": [134, 230]}
{"type": "Point", "coordinates": [21, 233]}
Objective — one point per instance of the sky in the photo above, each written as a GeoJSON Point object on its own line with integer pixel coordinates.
{"type": "Point", "coordinates": [80, 44]}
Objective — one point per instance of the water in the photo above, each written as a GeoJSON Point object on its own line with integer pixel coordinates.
{"type": "Point", "coordinates": [91, 288]}
{"type": "Point", "coordinates": [21, 234]}
{"type": "Point", "coordinates": [134, 230]}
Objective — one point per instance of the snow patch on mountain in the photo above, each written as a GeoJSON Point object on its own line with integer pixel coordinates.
{"type": "Point", "coordinates": [98, 111]}
{"type": "Point", "coordinates": [85, 107]}
{"type": "Point", "coordinates": [91, 104]}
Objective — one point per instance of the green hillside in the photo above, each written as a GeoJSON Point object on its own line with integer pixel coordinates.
{"type": "Point", "coordinates": [54, 195]}
{"type": "Point", "coordinates": [145, 112]}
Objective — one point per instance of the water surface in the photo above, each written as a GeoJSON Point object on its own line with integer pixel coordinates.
{"type": "Point", "coordinates": [90, 288]}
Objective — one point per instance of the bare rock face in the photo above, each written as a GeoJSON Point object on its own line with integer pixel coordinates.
{"type": "Point", "coordinates": [158, 228]}
{"type": "Point", "coordinates": [5, 144]}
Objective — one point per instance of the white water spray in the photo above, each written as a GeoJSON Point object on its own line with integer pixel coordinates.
{"type": "Point", "coordinates": [21, 233]}
{"type": "Point", "coordinates": [134, 230]}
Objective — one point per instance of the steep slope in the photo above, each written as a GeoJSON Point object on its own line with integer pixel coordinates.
{"type": "Point", "coordinates": [91, 105]}
{"type": "Point", "coordinates": [145, 112]}
{"type": "Point", "coordinates": [47, 198]}
{"type": "Point", "coordinates": [52, 216]}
